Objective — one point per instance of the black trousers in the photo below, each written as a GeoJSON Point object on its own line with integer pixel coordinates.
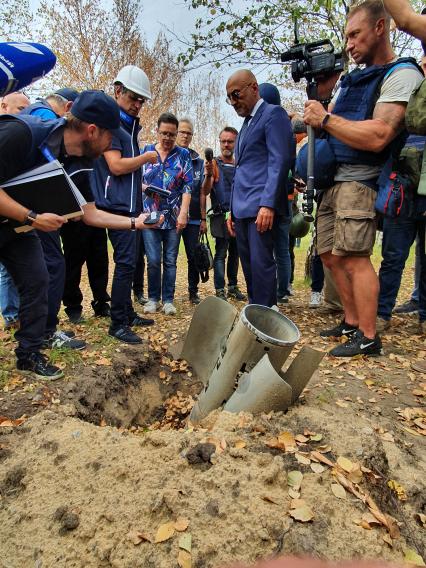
{"type": "Point", "coordinates": [139, 275]}
{"type": "Point", "coordinates": [55, 263]}
{"type": "Point", "coordinates": [124, 244]}
{"type": "Point", "coordinates": [190, 236]}
{"type": "Point", "coordinates": [23, 257]}
{"type": "Point", "coordinates": [84, 244]}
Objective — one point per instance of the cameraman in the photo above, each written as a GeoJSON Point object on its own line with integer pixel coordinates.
{"type": "Point", "coordinates": [366, 122]}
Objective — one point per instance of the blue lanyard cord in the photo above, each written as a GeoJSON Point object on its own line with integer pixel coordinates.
{"type": "Point", "coordinates": [45, 150]}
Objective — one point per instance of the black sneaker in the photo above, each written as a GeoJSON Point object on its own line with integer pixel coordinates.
{"type": "Point", "coordinates": [235, 292]}
{"type": "Point", "coordinates": [37, 365]}
{"type": "Point", "coordinates": [125, 334]}
{"type": "Point", "coordinates": [101, 309]}
{"type": "Point", "coordinates": [75, 317]}
{"type": "Point", "coordinates": [141, 322]}
{"type": "Point", "coordinates": [220, 293]}
{"type": "Point", "coordinates": [407, 307]}
{"type": "Point", "coordinates": [62, 340]}
{"type": "Point", "coordinates": [339, 330]}
{"type": "Point", "coordinates": [141, 299]}
{"type": "Point", "coordinates": [358, 344]}
{"type": "Point", "coordinates": [194, 298]}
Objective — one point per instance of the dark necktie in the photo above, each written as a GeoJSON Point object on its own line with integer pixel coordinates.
{"type": "Point", "coordinates": [243, 131]}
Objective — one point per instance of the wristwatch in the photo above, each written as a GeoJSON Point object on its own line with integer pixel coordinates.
{"type": "Point", "coordinates": [132, 224]}
{"type": "Point", "coordinates": [31, 217]}
{"type": "Point", "coordinates": [325, 119]}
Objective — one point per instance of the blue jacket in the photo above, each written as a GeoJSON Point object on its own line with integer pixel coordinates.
{"type": "Point", "coordinates": [221, 191]}
{"type": "Point", "coordinates": [358, 96]}
{"type": "Point", "coordinates": [263, 163]}
{"type": "Point", "coordinates": [197, 182]}
{"type": "Point", "coordinates": [120, 194]}
{"type": "Point", "coordinates": [41, 109]}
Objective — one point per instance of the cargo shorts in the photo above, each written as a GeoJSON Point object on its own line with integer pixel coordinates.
{"type": "Point", "coordinates": [346, 220]}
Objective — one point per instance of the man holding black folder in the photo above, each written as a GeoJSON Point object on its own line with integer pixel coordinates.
{"type": "Point", "coordinates": [25, 143]}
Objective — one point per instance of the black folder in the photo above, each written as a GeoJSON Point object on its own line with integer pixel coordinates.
{"type": "Point", "coordinates": [47, 189]}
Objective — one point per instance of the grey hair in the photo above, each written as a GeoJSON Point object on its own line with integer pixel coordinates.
{"type": "Point", "coordinates": [188, 121]}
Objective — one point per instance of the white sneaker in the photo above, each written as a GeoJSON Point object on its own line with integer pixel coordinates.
{"type": "Point", "coordinates": [150, 307]}
{"type": "Point", "coordinates": [290, 290]}
{"type": "Point", "coordinates": [169, 309]}
{"type": "Point", "coordinates": [316, 300]}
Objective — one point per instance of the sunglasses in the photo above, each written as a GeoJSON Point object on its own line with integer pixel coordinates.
{"type": "Point", "coordinates": [134, 97]}
{"type": "Point", "coordinates": [236, 95]}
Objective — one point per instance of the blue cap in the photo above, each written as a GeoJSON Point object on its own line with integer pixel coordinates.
{"type": "Point", "coordinates": [270, 93]}
{"type": "Point", "coordinates": [96, 107]}
{"type": "Point", "coordinates": [69, 94]}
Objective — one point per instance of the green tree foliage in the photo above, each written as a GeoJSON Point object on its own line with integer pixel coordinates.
{"type": "Point", "coordinates": [255, 33]}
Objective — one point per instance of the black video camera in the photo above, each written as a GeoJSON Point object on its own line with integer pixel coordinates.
{"type": "Point", "coordinates": [312, 60]}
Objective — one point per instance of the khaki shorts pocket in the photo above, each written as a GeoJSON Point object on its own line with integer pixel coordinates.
{"type": "Point", "coordinates": [355, 231]}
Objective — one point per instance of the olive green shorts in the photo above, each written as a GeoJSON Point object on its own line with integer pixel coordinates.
{"type": "Point", "coordinates": [346, 220]}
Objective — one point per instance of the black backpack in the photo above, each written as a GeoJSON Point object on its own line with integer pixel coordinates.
{"type": "Point", "coordinates": [203, 257]}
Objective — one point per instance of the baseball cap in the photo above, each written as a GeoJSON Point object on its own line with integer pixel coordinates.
{"type": "Point", "coordinates": [96, 107]}
{"type": "Point", "coordinates": [69, 94]}
{"type": "Point", "coordinates": [270, 93]}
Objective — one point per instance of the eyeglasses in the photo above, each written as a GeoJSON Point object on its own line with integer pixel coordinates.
{"type": "Point", "coordinates": [185, 133]}
{"type": "Point", "coordinates": [167, 134]}
{"type": "Point", "coordinates": [236, 95]}
{"type": "Point", "coordinates": [134, 97]}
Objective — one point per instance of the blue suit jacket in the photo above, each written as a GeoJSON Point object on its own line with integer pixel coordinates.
{"type": "Point", "coordinates": [262, 164]}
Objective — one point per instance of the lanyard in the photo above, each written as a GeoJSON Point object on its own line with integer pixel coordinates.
{"type": "Point", "coordinates": [45, 150]}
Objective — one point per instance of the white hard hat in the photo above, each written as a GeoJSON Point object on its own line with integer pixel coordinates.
{"type": "Point", "coordinates": [134, 79]}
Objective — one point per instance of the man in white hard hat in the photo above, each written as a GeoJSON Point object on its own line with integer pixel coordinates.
{"type": "Point", "coordinates": [117, 186]}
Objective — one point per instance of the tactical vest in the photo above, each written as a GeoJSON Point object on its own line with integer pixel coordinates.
{"type": "Point", "coordinates": [359, 93]}
{"type": "Point", "coordinates": [46, 138]}
{"type": "Point", "coordinates": [221, 191]}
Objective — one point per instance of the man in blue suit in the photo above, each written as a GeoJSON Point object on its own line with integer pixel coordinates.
{"type": "Point", "coordinates": [264, 151]}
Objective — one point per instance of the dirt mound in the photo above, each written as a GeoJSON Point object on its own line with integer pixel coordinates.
{"type": "Point", "coordinates": [78, 495]}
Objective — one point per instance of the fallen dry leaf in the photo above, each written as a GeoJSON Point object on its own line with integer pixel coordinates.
{"type": "Point", "coordinates": [338, 491]}
{"type": "Point", "coordinates": [303, 459]}
{"type": "Point", "coordinates": [137, 537]}
{"type": "Point", "coordinates": [270, 499]}
{"type": "Point", "coordinates": [293, 494]}
{"type": "Point", "coordinates": [297, 503]}
{"type": "Point", "coordinates": [398, 489]}
{"type": "Point", "coordinates": [412, 557]}
{"type": "Point", "coordinates": [181, 524]}
{"type": "Point", "coordinates": [184, 559]}
{"type": "Point", "coordinates": [240, 444]}
{"type": "Point", "coordinates": [303, 514]}
{"type": "Point", "coordinates": [185, 542]}
{"type": "Point", "coordinates": [103, 361]}
{"type": "Point", "coordinates": [345, 464]}
{"type": "Point", "coordinates": [164, 532]}
{"type": "Point", "coordinates": [287, 440]}
{"type": "Point", "coordinates": [294, 479]}
{"type": "Point", "coordinates": [317, 467]}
